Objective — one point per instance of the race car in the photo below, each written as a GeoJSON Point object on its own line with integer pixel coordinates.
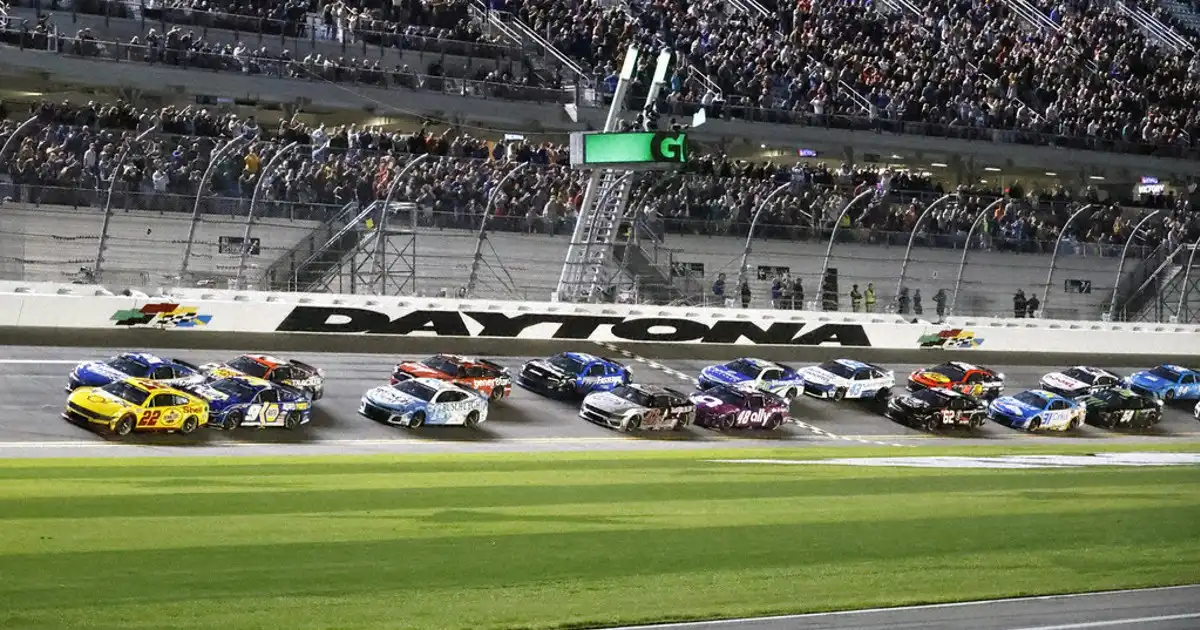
{"type": "Point", "coordinates": [767, 376]}
{"type": "Point", "coordinates": [1168, 382]}
{"type": "Point", "coordinates": [417, 402]}
{"type": "Point", "coordinates": [728, 407]}
{"type": "Point", "coordinates": [136, 404]}
{"type": "Point", "coordinates": [294, 374]}
{"type": "Point", "coordinates": [130, 365]}
{"type": "Point", "coordinates": [1037, 410]}
{"type": "Point", "coordinates": [964, 378]}
{"type": "Point", "coordinates": [633, 407]}
{"type": "Point", "coordinates": [844, 378]}
{"type": "Point", "coordinates": [573, 373]}
{"type": "Point", "coordinates": [478, 374]}
{"type": "Point", "coordinates": [240, 401]}
{"type": "Point", "coordinates": [1079, 380]}
{"type": "Point", "coordinates": [1115, 408]}
{"type": "Point", "coordinates": [932, 409]}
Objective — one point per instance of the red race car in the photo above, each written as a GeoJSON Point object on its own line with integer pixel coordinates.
{"type": "Point", "coordinates": [490, 379]}
{"type": "Point", "coordinates": [964, 378]}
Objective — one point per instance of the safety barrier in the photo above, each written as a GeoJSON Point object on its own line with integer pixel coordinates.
{"type": "Point", "coordinates": [78, 315]}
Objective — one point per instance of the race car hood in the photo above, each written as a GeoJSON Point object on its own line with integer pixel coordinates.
{"type": "Point", "coordinates": [217, 370]}
{"type": "Point", "coordinates": [818, 376]}
{"type": "Point", "coordinates": [1149, 381]}
{"type": "Point", "coordinates": [1013, 407]}
{"type": "Point", "coordinates": [1062, 381]}
{"type": "Point", "coordinates": [610, 402]}
{"type": "Point", "coordinates": [99, 402]}
{"type": "Point", "coordinates": [933, 378]}
{"type": "Point", "coordinates": [98, 371]}
{"type": "Point", "coordinates": [547, 366]}
{"type": "Point", "coordinates": [393, 399]}
{"type": "Point", "coordinates": [722, 374]}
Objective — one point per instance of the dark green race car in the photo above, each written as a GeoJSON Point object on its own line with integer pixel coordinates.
{"type": "Point", "coordinates": [1121, 408]}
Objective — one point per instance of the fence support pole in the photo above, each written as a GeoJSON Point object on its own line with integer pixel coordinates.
{"type": "Point", "coordinates": [258, 186]}
{"type": "Point", "coordinates": [488, 209]}
{"type": "Point", "coordinates": [833, 233]}
{"type": "Point", "coordinates": [1054, 257]}
{"type": "Point", "coordinates": [384, 213]}
{"type": "Point", "coordinates": [962, 264]}
{"type": "Point", "coordinates": [1112, 306]}
{"type": "Point", "coordinates": [912, 237]}
{"type": "Point", "coordinates": [108, 211]}
{"type": "Point", "coordinates": [750, 235]}
{"type": "Point", "coordinates": [217, 156]}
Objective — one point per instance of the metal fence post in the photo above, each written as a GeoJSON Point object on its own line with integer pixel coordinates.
{"type": "Point", "coordinates": [487, 215]}
{"type": "Point", "coordinates": [217, 156]}
{"type": "Point", "coordinates": [750, 235]}
{"type": "Point", "coordinates": [1187, 272]}
{"type": "Point", "coordinates": [16, 134]}
{"type": "Point", "coordinates": [962, 264]}
{"type": "Point", "coordinates": [380, 249]}
{"type": "Point", "coordinates": [1112, 306]}
{"type": "Point", "coordinates": [833, 234]}
{"type": "Point", "coordinates": [908, 250]}
{"type": "Point", "coordinates": [258, 186]}
{"type": "Point", "coordinates": [108, 212]}
{"type": "Point", "coordinates": [1054, 256]}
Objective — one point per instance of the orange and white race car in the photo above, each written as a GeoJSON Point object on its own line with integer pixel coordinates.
{"type": "Point", "coordinates": [299, 376]}
{"type": "Point", "coordinates": [490, 379]}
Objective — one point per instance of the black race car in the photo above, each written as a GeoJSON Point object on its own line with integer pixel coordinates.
{"type": "Point", "coordinates": [1121, 408]}
{"type": "Point", "coordinates": [932, 409]}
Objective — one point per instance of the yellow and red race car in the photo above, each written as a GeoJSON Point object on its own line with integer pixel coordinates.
{"type": "Point", "coordinates": [301, 377]}
{"type": "Point", "coordinates": [136, 404]}
{"type": "Point", "coordinates": [481, 375]}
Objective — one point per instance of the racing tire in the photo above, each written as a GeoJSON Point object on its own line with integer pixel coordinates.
{"type": "Point", "coordinates": [634, 424]}
{"type": "Point", "coordinates": [124, 426]}
{"type": "Point", "coordinates": [1035, 423]}
{"type": "Point", "coordinates": [472, 419]}
{"type": "Point", "coordinates": [883, 395]}
{"type": "Point", "coordinates": [790, 393]}
{"type": "Point", "coordinates": [291, 421]}
{"type": "Point", "coordinates": [497, 394]}
{"type": "Point", "coordinates": [931, 424]}
{"type": "Point", "coordinates": [774, 422]}
{"type": "Point", "coordinates": [1073, 425]}
{"type": "Point", "coordinates": [839, 394]}
{"type": "Point", "coordinates": [726, 422]}
{"type": "Point", "coordinates": [417, 419]}
{"type": "Point", "coordinates": [1169, 396]}
{"type": "Point", "coordinates": [189, 426]}
{"type": "Point", "coordinates": [233, 420]}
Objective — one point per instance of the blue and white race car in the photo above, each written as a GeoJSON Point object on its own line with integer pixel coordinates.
{"type": "Point", "coordinates": [845, 378]}
{"type": "Point", "coordinates": [131, 365]}
{"type": "Point", "coordinates": [1166, 382]}
{"type": "Point", "coordinates": [424, 401]}
{"type": "Point", "coordinates": [1038, 410]}
{"type": "Point", "coordinates": [240, 401]}
{"type": "Point", "coordinates": [747, 373]}
{"type": "Point", "coordinates": [573, 374]}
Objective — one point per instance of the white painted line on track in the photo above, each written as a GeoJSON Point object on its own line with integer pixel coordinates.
{"type": "Point", "coordinates": [685, 625]}
{"type": "Point", "coordinates": [39, 362]}
{"type": "Point", "coordinates": [1114, 622]}
{"type": "Point", "coordinates": [694, 383]}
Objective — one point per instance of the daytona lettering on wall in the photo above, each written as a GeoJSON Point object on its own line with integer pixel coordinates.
{"type": "Point", "coordinates": [346, 320]}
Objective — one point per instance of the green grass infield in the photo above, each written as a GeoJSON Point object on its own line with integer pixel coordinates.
{"type": "Point", "coordinates": [555, 540]}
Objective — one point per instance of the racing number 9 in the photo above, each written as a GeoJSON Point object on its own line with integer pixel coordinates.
{"type": "Point", "coordinates": [149, 418]}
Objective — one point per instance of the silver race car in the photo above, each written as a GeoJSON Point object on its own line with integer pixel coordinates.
{"type": "Point", "coordinates": [634, 407]}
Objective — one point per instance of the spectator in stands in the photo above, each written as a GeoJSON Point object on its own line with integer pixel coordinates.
{"type": "Point", "coordinates": [1019, 304]}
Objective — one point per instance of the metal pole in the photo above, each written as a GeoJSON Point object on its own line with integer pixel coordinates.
{"type": "Point", "coordinates": [380, 239]}
{"type": "Point", "coordinates": [750, 235]}
{"type": "Point", "coordinates": [1054, 257]}
{"type": "Point", "coordinates": [833, 234]}
{"type": "Point", "coordinates": [15, 135]}
{"type": "Point", "coordinates": [912, 237]}
{"type": "Point", "coordinates": [962, 264]}
{"type": "Point", "coordinates": [108, 200]}
{"type": "Point", "coordinates": [1112, 306]}
{"type": "Point", "coordinates": [487, 215]}
{"type": "Point", "coordinates": [1184, 291]}
{"type": "Point", "coordinates": [262, 178]}
{"type": "Point", "coordinates": [217, 156]}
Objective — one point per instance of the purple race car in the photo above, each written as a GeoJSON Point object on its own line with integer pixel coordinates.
{"type": "Point", "coordinates": [730, 407]}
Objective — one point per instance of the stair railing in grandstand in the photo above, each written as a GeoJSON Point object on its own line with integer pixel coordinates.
{"type": "Point", "coordinates": [1153, 27]}
{"type": "Point", "coordinates": [1186, 289]}
{"type": "Point", "coordinates": [1054, 257]}
{"type": "Point", "coordinates": [962, 264]}
{"type": "Point", "coordinates": [1112, 306]}
{"type": "Point", "coordinates": [488, 209]}
{"type": "Point", "coordinates": [836, 224]}
{"type": "Point", "coordinates": [217, 156]}
{"type": "Point", "coordinates": [912, 237]}
{"type": "Point", "coordinates": [385, 212]}
{"type": "Point", "coordinates": [264, 177]}
{"type": "Point", "coordinates": [112, 185]}
{"type": "Point", "coordinates": [762, 205]}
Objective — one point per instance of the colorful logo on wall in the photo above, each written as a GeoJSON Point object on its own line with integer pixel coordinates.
{"type": "Point", "coordinates": [950, 338]}
{"type": "Point", "coordinates": [162, 316]}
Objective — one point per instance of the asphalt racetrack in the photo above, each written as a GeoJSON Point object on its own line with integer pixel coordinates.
{"type": "Point", "coordinates": [32, 396]}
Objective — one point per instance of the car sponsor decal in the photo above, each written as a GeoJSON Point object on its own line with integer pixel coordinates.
{"type": "Point", "coordinates": [346, 320]}
{"type": "Point", "coordinates": [162, 315]}
{"type": "Point", "coordinates": [950, 338]}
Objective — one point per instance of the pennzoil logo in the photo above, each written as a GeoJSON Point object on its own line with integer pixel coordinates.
{"type": "Point", "coordinates": [162, 316]}
{"type": "Point", "coordinates": [950, 338]}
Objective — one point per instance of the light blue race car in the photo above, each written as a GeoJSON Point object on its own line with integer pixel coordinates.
{"type": "Point", "coordinates": [170, 372]}
{"type": "Point", "coordinates": [1038, 410]}
{"type": "Point", "coordinates": [424, 401]}
{"type": "Point", "coordinates": [747, 373]}
{"type": "Point", "coordinates": [1166, 382]}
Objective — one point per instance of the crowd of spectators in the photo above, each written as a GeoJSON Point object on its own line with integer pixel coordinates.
{"type": "Point", "coordinates": [75, 152]}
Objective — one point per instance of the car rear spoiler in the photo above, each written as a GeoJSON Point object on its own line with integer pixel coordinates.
{"type": "Point", "coordinates": [305, 366]}
{"type": "Point", "coordinates": [493, 365]}
{"type": "Point", "coordinates": [615, 362]}
{"type": "Point", "coordinates": [187, 364]}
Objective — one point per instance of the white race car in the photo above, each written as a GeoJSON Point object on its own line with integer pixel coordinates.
{"type": "Point", "coordinates": [421, 401]}
{"type": "Point", "coordinates": [845, 378]}
{"type": "Point", "coordinates": [1080, 381]}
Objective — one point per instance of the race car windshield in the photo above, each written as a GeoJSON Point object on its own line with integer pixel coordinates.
{"type": "Point", "coordinates": [125, 365]}
{"type": "Point", "coordinates": [126, 392]}
{"type": "Point", "coordinates": [249, 367]}
{"type": "Point", "coordinates": [234, 388]}
{"type": "Point", "coordinates": [567, 363]}
{"type": "Point", "coordinates": [417, 389]}
{"type": "Point", "coordinates": [1080, 375]}
{"type": "Point", "coordinates": [1164, 372]}
{"type": "Point", "coordinates": [727, 395]}
{"type": "Point", "coordinates": [441, 364]}
{"type": "Point", "coordinates": [837, 369]}
{"type": "Point", "coordinates": [950, 371]}
{"type": "Point", "coordinates": [632, 395]}
{"type": "Point", "coordinates": [743, 367]}
{"type": "Point", "coordinates": [1032, 399]}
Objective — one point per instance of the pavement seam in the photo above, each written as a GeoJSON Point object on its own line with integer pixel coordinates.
{"type": "Point", "coordinates": [670, 371]}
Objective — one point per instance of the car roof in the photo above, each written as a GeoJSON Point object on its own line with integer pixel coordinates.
{"type": "Point", "coordinates": [583, 357]}
{"type": "Point", "coordinates": [962, 365]}
{"type": "Point", "coordinates": [1047, 395]}
{"type": "Point", "coordinates": [151, 386]}
{"type": "Point", "coordinates": [145, 358]}
{"type": "Point", "coordinates": [265, 359]}
{"type": "Point", "coordinates": [653, 390]}
{"type": "Point", "coordinates": [441, 385]}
